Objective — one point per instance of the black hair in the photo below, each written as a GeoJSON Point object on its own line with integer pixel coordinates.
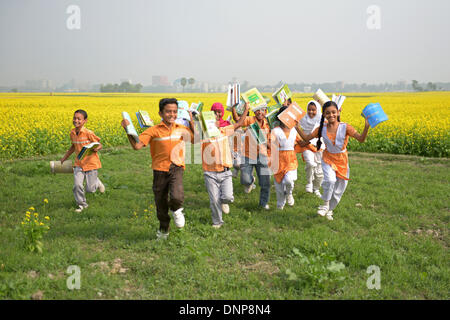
{"type": "Point", "coordinates": [80, 111]}
{"type": "Point", "coordinates": [165, 101]}
{"type": "Point", "coordinates": [322, 119]}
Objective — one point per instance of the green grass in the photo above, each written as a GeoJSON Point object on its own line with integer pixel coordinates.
{"type": "Point", "coordinates": [394, 214]}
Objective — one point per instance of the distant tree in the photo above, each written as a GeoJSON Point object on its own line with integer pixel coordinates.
{"type": "Point", "coordinates": [183, 82]}
{"type": "Point", "coordinates": [191, 82]}
{"type": "Point", "coordinates": [14, 90]}
{"type": "Point", "coordinates": [431, 86]}
{"type": "Point", "coordinates": [415, 85]}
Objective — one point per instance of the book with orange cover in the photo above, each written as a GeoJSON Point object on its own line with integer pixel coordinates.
{"type": "Point", "coordinates": [291, 115]}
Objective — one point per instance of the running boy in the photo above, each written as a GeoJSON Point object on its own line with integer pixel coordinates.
{"type": "Point", "coordinates": [88, 166]}
{"type": "Point", "coordinates": [167, 148]}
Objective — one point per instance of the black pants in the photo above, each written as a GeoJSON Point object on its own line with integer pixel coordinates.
{"type": "Point", "coordinates": [165, 184]}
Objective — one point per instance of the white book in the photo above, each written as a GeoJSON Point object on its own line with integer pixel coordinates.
{"type": "Point", "coordinates": [130, 129]}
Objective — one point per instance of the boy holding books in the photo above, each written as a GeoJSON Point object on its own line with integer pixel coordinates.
{"type": "Point", "coordinates": [167, 148]}
{"type": "Point", "coordinates": [216, 161]}
{"type": "Point", "coordinates": [88, 166]}
{"type": "Point", "coordinates": [256, 156]}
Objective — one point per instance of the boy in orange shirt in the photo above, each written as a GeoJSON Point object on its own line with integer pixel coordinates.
{"type": "Point", "coordinates": [88, 166]}
{"type": "Point", "coordinates": [167, 149]}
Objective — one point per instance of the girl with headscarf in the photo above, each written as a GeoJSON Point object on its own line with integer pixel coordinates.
{"type": "Point", "coordinates": [311, 156]}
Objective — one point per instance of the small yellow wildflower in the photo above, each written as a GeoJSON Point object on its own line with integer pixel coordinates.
{"type": "Point", "coordinates": [46, 200]}
{"type": "Point", "coordinates": [145, 210]}
{"type": "Point", "coordinates": [325, 244]}
{"type": "Point", "coordinates": [47, 218]}
{"type": "Point", "coordinates": [31, 208]}
{"type": "Point", "coordinates": [41, 224]}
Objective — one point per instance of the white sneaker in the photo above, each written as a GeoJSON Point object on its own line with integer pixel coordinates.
{"type": "Point", "coordinates": [248, 189]}
{"type": "Point", "coordinates": [217, 226]}
{"type": "Point", "coordinates": [290, 200]}
{"type": "Point", "coordinates": [225, 208]}
{"type": "Point", "coordinates": [330, 215]}
{"type": "Point", "coordinates": [101, 186]}
{"type": "Point", "coordinates": [81, 208]}
{"type": "Point", "coordinates": [178, 218]}
{"type": "Point", "coordinates": [317, 193]}
{"type": "Point", "coordinates": [309, 188]}
{"type": "Point", "coordinates": [280, 207]}
{"type": "Point", "coordinates": [266, 207]}
{"type": "Point", "coordinates": [323, 210]}
{"type": "Point", "coordinates": [161, 235]}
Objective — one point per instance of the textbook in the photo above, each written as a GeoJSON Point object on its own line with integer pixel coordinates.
{"type": "Point", "coordinates": [208, 122]}
{"type": "Point", "coordinates": [144, 119]}
{"type": "Point", "coordinates": [234, 94]}
{"type": "Point", "coordinates": [257, 133]}
{"type": "Point", "coordinates": [87, 150]}
{"type": "Point", "coordinates": [339, 100]}
{"type": "Point", "coordinates": [130, 130]}
{"type": "Point", "coordinates": [321, 97]}
{"type": "Point", "coordinates": [240, 107]}
{"type": "Point", "coordinates": [374, 114]}
{"type": "Point", "coordinates": [183, 108]}
{"type": "Point", "coordinates": [291, 115]}
{"type": "Point", "coordinates": [271, 116]}
{"type": "Point", "coordinates": [282, 94]}
{"type": "Point", "coordinates": [255, 99]}
{"type": "Point", "coordinates": [196, 108]}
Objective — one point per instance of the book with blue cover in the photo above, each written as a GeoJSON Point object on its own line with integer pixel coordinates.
{"type": "Point", "coordinates": [374, 114]}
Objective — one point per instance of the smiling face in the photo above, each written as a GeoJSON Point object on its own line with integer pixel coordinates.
{"type": "Point", "coordinates": [312, 110]}
{"type": "Point", "coordinates": [219, 114]}
{"type": "Point", "coordinates": [260, 114]}
{"type": "Point", "coordinates": [169, 113]}
{"type": "Point", "coordinates": [330, 114]}
{"type": "Point", "coordinates": [78, 121]}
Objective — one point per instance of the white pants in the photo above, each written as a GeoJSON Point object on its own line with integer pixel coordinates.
{"type": "Point", "coordinates": [313, 168]}
{"type": "Point", "coordinates": [220, 190]}
{"type": "Point", "coordinates": [285, 188]}
{"type": "Point", "coordinates": [333, 187]}
{"type": "Point", "coordinates": [79, 176]}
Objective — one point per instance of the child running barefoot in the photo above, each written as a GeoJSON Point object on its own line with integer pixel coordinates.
{"type": "Point", "coordinates": [216, 162]}
{"type": "Point", "coordinates": [335, 159]}
{"type": "Point", "coordinates": [311, 156]}
{"type": "Point", "coordinates": [167, 148]}
{"type": "Point", "coordinates": [87, 168]}
{"type": "Point", "coordinates": [284, 140]}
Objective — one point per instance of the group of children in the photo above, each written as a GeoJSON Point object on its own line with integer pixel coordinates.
{"type": "Point", "coordinates": [320, 137]}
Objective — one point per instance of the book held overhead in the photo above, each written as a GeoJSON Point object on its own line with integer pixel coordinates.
{"type": "Point", "coordinates": [130, 129]}
{"type": "Point", "coordinates": [282, 94]}
{"type": "Point", "coordinates": [291, 115]}
{"type": "Point", "coordinates": [374, 114]}
{"type": "Point", "coordinates": [255, 99]}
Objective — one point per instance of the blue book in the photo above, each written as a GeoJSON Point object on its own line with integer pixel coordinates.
{"type": "Point", "coordinates": [374, 114]}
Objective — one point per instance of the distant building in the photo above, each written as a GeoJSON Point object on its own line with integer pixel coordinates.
{"type": "Point", "coordinates": [160, 81]}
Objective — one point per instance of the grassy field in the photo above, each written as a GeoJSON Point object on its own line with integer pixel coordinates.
{"type": "Point", "coordinates": [394, 215]}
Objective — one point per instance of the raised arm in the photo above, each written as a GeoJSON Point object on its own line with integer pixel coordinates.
{"type": "Point", "coordinates": [134, 144]}
{"type": "Point", "coordinates": [362, 137]}
{"type": "Point", "coordinates": [304, 136]}
{"type": "Point", "coordinates": [241, 120]}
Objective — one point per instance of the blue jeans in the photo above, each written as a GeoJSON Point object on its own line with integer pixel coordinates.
{"type": "Point", "coordinates": [263, 172]}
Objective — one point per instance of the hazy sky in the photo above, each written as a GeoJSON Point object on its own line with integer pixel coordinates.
{"type": "Point", "coordinates": [256, 40]}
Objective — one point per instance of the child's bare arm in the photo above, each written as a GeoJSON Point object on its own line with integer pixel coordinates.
{"type": "Point", "coordinates": [134, 144]}
{"type": "Point", "coordinates": [98, 148]}
{"type": "Point", "coordinates": [68, 153]}
{"type": "Point", "coordinates": [305, 137]}
{"type": "Point", "coordinates": [362, 137]}
{"type": "Point", "coordinates": [241, 120]}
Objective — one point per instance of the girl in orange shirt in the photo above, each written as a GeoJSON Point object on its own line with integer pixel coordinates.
{"type": "Point", "coordinates": [335, 167]}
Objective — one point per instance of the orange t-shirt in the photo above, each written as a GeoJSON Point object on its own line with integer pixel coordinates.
{"type": "Point", "coordinates": [84, 137]}
{"type": "Point", "coordinates": [216, 153]}
{"type": "Point", "coordinates": [167, 145]}
{"type": "Point", "coordinates": [339, 161]}
{"type": "Point", "coordinates": [251, 149]}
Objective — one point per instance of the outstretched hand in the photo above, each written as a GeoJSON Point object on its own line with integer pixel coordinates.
{"type": "Point", "coordinates": [125, 123]}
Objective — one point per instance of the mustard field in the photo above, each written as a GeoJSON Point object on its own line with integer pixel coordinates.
{"type": "Point", "coordinates": [39, 123]}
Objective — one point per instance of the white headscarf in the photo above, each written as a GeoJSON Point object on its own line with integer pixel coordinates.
{"type": "Point", "coordinates": [309, 124]}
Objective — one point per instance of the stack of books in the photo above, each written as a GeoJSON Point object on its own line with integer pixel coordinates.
{"type": "Point", "coordinates": [144, 119]}
{"type": "Point", "coordinates": [339, 100]}
{"type": "Point", "coordinates": [234, 94]}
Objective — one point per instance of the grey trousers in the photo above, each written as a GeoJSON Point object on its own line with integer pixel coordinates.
{"type": "Point", "coordinates": [78, 188]}
{"type": "Point", "coordinates": [220, 190]}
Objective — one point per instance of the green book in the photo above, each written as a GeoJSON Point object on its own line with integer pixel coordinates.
{"type": "Point", "coordinates": [257, 133]}
{"type": "Point", "coordinates": [87, 150]}
{"type": "Point", "coordinates": [196, 109]}
{"type": "Point", "coordinates": [208, 121]}
{"type": "Point", "coordinates": [272, 113]}
{"type": "Point", "coordinates": [282, 94]}
{"type": "Point", "coordinates": [255, 99]}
